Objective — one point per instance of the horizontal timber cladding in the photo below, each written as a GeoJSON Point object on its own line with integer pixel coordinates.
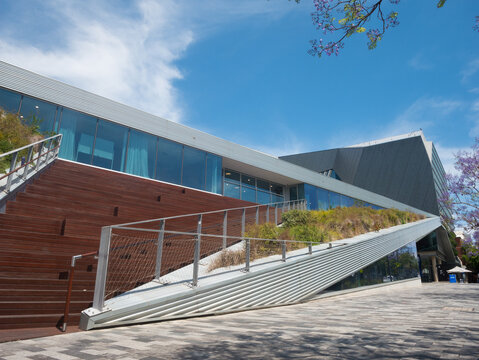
{"type": "Point", "coordinates": [286, 283]}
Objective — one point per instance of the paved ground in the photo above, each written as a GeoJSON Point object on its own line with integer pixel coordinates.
{"type": "Point", "coordinates": [428, 322]}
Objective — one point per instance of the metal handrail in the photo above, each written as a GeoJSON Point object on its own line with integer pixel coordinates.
{"type": "Point", "coordinates": [106, 235]}
{"type": "Point", "coordinates": [29, 145]}
{"type": "Point", "coordinates": [71, 273]}
{"type": "Point", "coordinates": [30, 159]}
{"type": "Point", "coordinates": [272, 205]}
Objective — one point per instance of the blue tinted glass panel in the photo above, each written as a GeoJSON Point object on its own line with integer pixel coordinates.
{"type": "Point", "coordinates": [310, 194]}
{"type": "Point", "coordinates": [40, 111]}
{"type": "Point", "coordinates": [334, 200]}
{"type": "Point", "coordinates": [194, 165]}
{"type": "Point", "coordinates": [277, 198]}
{"type": "Point", "coordinates": [213, 173]}
{"type": "Point", "coordinates": [301, 191]}
{"type": "Point", "coordinates": [263, 197]}
{"type": "Point", "coordinates": [9, 101]}
{"type": "Point", "coordinates": [346, 201]}
{"type": "Point", "coordinates": [141, 154]}
{"type": "Point", "coordinates": [110, 146]}
{"type": "Point", "coordinates": [293, 193]}
{"type": "Point", "coordinates": [78, 134]}
{"type": "Point", "coordinates": [232, 176]}
{"type": "Point", "coordinates": [261, 184]}
{"type": "Point", "coordinates": [168, 164]}
{"type": "Point", "coordinates": [248, 180]}
{"type": "Point", "coordinates": [277, 189]}
{"type": "Point", "coordinates": [248, 194]}
{"type": "Point", "coordinates": [232, 190]}
{"type": "Point", "coordinates": [323, 199]}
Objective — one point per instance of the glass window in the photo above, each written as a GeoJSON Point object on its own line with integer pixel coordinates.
{"type": "Point", "coordinates": [40, 111]}
{"type": "Point", "coordinates": [110, 146]}
{"type": "Point", "coordinates": [9, 101]}
{"type": "Point", "coordinates": [248, 180]}
{"type": "Point", "coordinates": [232, 176]}
{"type": "Point", "coordinates": [214, 166]}
{"type": "Point", "coordinates": [194, 166]}
{"type": "Point", "coordinates": [277, 189]}
{"type": "Point", "coordinates": [248, 194]}
{"type": "Point", "coordinates": [310, 194]}
{"type": "Point", "coordinates": [323, 199]}
{"type": "Point", "coordinates": [293, 193]}
{"type": "Point", "coordinates": [141, 154]}
{"type": "Point", "coordinates": [334, 200]}
{"type": "Point", "coordinates": [346, 201]}
{"type": "Point", "coordinates": [263, 197]}
{"type": "Point", "coordinates": [301, 191]}
{"type": "Point", "coordinates": [261, 184]}
{"type": "Point", "coordinates": [232, 190]}
{"type": "Point", "coordinates": [78, 134]}
{"type": "Point", "coordinates": [169, 161]}
{"type": "Point", "coordinates": [277, 198]}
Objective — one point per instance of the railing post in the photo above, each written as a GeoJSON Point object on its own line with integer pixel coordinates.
{"type": "Point", "coordinates": [225, 228]}
{"type": "Point", "coordinates": [310, 248]}
{"type": "Point", "coordinates": [267, 214]}
{"type": "Point", "coordinates": [283, 251]}
{"type": "Point", "coordinates": [39, 156]}
{"type": "Point", "coordinates": [13, 163]}
{"type": "Point", "coordinates": [257, 215]}
{"type": "Point", "coordinates": [276, 215]}
{"type": "Point", "coordinates": [248, 251]}
{"type": "Point", "coordinates": [243, 223]}
{"type": "Point", "coordinates": [102, 270]}
{"type": "Point", "coordinates": [49, 147]}
{"type": "Point", "coordinates": [159, 251]}
{"type": "Point", "coordinates": [29, 158]}
{"type": "Point", "coordinates": [196, 262]}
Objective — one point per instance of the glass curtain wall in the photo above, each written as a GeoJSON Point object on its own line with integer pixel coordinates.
{"type": "Point", "coordinates": [320, 199]}
{"type": "Point", "coordinates": [400, 265]}
{"type": "Point", "coordinates": [248, 188]}
{"type": "Point", "coordinates": [103, 143]}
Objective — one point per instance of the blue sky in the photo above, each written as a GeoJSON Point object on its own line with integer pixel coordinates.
{"type": "Point", "coordinates": [240, 69]}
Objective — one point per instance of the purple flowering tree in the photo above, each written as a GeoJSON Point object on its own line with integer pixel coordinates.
{"type": "Point", "coordinates": [462, 201]}
{"type": "Point", "coordinates": [470, 252]}
{"type": "Point", "coordinates": [341, 19]}
{"type": "Point", "coordinates": [462, 197]}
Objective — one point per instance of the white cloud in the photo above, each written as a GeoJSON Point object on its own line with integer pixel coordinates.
{"type": "Point", "coordinates": [418, 62]}
{"type": "Point", "coordinates": [124, 53]}
{"type": "Point", "coordinates": [447, 156]}
{"type": "Point", "coordinates": [424, 114]}
{"type": "Point", "coordinates": [471, 68]}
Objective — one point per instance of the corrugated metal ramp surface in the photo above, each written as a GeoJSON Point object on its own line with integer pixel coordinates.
{"type": "Point", "coordinates": [284, 283]}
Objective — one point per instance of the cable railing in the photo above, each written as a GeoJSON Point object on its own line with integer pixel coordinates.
{"type": "Point", "coordinates": [169, 250]}
{"type": "Point", "coordinates": [27, 161]}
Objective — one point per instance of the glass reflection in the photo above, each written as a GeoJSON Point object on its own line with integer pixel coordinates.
{"type": "Point", "coordinates": [78, 135]}
{"type": "Point", "coordinates": [9, 101]}
{"type": "Point", "coordinates": [141, 154]}
{"type": "Point", "coordinates": [40, 111]}
{"type": "Point", "coordinates": [169, 161]}
{"type": "Point", "coordinates": [194, 163]}
{"type": "Point", "coordinates": [214, 166]}
{"type": "Point", "coordinates": [110, 146]}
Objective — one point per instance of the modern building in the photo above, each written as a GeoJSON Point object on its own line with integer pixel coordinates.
{"type": "Point", "coordinates": [403, 172]}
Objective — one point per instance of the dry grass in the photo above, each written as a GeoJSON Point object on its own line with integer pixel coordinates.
{"type": "Point", "coordinates": [313, 226]}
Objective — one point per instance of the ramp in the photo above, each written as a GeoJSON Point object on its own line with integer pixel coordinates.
{"type": "Point", "coordinates": [276, 280]}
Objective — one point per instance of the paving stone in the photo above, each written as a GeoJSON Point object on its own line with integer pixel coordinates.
{"type": "Point", "coordinates": [426, 322]}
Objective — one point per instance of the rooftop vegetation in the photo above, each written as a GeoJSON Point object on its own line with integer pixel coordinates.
{"type": "Point", "coordinates": [305, 227]}
{"type": "Point", "coordinates": [15, 133]}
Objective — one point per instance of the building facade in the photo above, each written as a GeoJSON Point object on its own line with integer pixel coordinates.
{"type": "Point", "coordinates": [403, 173]}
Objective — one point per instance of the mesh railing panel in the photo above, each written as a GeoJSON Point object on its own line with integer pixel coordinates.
{"type": "Point", "coordinates": [134, 248]}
